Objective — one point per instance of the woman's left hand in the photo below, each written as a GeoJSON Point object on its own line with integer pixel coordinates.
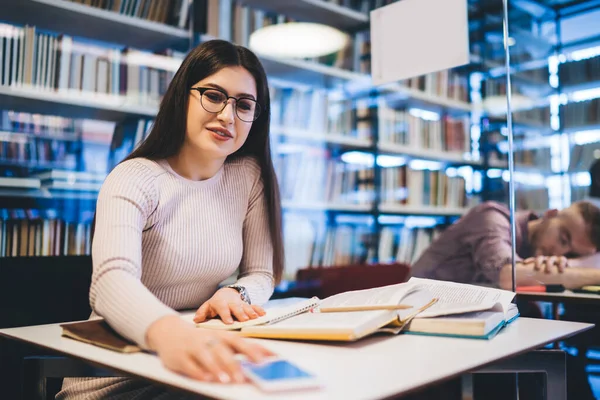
{"type": "Point", "coordinates": [227, 304]}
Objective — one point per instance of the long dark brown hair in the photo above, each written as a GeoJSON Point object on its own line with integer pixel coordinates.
{"type": "Point", "coordinates": [169, 129]}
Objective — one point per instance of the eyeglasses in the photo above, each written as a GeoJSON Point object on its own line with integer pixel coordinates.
{"type": "Point", "coordinates": [214, 101]}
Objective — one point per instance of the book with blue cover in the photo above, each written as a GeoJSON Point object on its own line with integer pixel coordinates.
{"type": "Point", "coordinates": [474, 325]}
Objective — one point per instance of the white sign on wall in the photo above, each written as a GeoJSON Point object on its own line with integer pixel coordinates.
{"type": "Point", "coordinates": [415, 37]}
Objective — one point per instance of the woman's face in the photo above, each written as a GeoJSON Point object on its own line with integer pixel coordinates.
{"type": "Point", "coordinates": [216, 135]}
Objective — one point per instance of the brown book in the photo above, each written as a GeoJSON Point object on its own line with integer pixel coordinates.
{"type": "Point", "coordinates": [99, 333]}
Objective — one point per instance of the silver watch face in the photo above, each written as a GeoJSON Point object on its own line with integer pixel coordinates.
{"type": "Point", "coordinates": [242, 292]}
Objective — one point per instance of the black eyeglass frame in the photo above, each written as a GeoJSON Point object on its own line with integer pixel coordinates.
{"type": "Point", "coordinates": [257, 111]}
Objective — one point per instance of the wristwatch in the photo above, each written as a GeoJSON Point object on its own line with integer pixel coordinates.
{"type": "Point", "coordinates": [242, 291]}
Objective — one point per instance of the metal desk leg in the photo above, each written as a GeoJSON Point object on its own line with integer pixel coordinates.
{"type": "Point", "coordinates": [551, 362]}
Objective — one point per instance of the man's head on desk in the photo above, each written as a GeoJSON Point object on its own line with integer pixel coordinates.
{"type": "Point", "coordinates": [571, 232]}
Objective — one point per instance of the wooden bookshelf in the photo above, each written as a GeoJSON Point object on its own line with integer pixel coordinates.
{"type": "Point", "coordinates": [71, 104]}
{"type": "Point", "coordinates": [85, 21]}
{"type": "Point", "coordinates": [318, 11]}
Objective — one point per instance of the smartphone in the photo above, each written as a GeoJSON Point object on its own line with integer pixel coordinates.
{"type": "Point", "coordinates": [276, 375]}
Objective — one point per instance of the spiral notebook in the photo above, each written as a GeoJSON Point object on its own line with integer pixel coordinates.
{"type": "Point", "coordinates": [272, 316]}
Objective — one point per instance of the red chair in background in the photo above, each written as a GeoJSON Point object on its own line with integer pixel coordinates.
{"type": "Point", "coordinates": [327, 281]}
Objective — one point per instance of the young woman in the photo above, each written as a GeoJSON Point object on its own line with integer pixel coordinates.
{"type": "Point", "coordinates": [196, 201]}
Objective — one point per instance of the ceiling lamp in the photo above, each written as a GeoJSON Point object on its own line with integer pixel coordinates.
{"type": "Point", "coordinates": [297, 40]}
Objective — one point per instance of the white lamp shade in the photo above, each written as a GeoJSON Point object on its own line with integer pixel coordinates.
{"type": "Point", "coordinates": [297, 40]}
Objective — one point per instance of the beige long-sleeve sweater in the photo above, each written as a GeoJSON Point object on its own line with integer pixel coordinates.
{"type": "Point", "coordinates": [164, 243]}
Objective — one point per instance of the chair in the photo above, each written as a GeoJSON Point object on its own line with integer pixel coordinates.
{"type": "Point", "coordinates": [36, 291]}
{"type": "Point", "coordinates": [327, 281]}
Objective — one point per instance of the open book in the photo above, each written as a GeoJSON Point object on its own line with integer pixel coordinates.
{"type": "Point", "coordinates": [452, 299]}
{"type": "Point", "coordinates": [485, 311]}
{"type": "Point", "coordinates": [304, 321]}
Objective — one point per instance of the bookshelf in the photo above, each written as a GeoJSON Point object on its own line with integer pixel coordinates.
{"type": "Point", "coordinates": [318, 11]}
{"type": "Point", "coordinates": [340, 198]}
{"type": "Point", "coordinates": [81, 20]}
{"type": "Point", "coordinates": [71, 104]}
{"type": "Point", "coordinates": [556, 137]}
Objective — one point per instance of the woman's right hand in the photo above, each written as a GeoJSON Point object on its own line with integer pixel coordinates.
{"type": "Point", "coordinates": [202, 354]}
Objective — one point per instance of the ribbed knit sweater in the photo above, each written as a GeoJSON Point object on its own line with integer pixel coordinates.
{"type": "Point", "coordinates": [164, 243]}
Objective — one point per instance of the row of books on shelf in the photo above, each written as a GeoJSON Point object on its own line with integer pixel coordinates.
{"type": "Point", "coordinates": [573, 73]}
{"type": "Point", "coordinates": [582, 157]}
{"type": "Point", "coordinates": [37, 152]}
{"type": "Point", "coordinates": [40, 233]}
{"type": "Point", "coordinates": [34, 141]}
{"type": "Point", "coordinates": [312, 243]}
{"type": "Point", "coordinates": [170, 12]}
{"type": "Point", "coordinates": [410, 187]}
{"type": "Point", "coordinates": [539, 158]}
{"type": "Point", "coordinates": [539, 116]}
{"type": "Point", "coordinates": [541, 75]}
{"type": "Point", "coordinates": [405, 244]}
{"type": "Point", "coordinates": [173, 12]}
{"type": "Point", "coordinates": [446, 84]}
{"type": "Point", "coordinates": [312, 175]}
{"type": "Point", "coordinates": [528, 198]}
{"type": "Point", "coordinates": [328, 113]}
{"type": "Point", "coordinates": [38, 60]}
{"type": "Point", "coordinates": [581, 113]}
{"type": "Point", "coordinates": [332, 115]}
{"type": "Point", "coordinates": [41, 125]}
{"type": "Point", "coordinates": [405, 128]}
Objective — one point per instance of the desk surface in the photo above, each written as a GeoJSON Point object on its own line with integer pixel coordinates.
{"type": "Point", "coordinates": [375, 367]}
{"type": "Point", "coordinates": [562, 297]}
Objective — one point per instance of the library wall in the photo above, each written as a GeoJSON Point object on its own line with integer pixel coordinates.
{"type": "Point", "coordinates": [367, 174]}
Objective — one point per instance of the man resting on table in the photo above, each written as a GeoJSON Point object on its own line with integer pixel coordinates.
{"type": "Point", "coordinates": [477, 248]}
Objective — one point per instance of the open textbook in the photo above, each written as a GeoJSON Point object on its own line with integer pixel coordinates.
{"type": "Point", "coordinates": [464, 310]}
{"type": "Point", "coordinates": [426, 298]}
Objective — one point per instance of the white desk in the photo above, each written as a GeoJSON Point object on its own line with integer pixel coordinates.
{"type": "Point", "coordinates": [376, 367]}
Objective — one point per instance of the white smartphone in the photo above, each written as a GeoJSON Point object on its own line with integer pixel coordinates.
{"type": "Point", "coordinates": [279, 375]}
